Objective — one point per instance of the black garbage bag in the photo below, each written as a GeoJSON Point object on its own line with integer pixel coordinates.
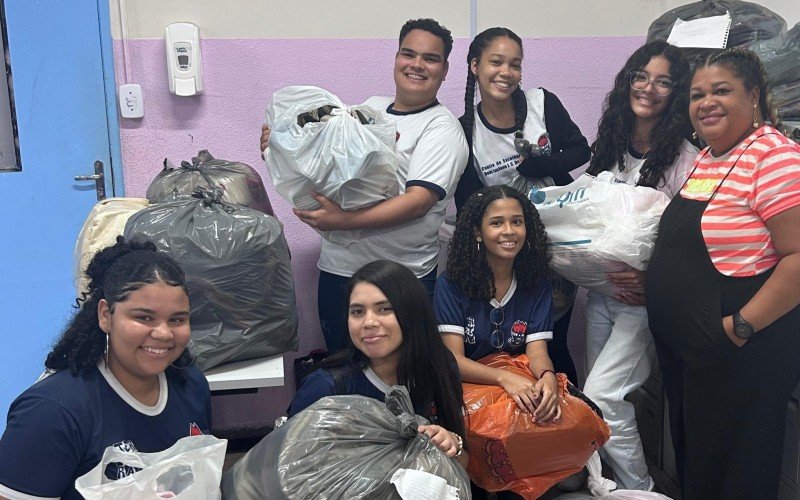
{"type": "Point", "coordinates": [787, 99]}
{"type": "Point", "coordinates": [240, 183]}
{"type": "Point", "coordinates": [341, 447]}
{"type": "Point", "coordinates": [750, 22]}
{"type": "Point", "coordinates": [781, 57]}
{"type": "Point", "coordinates": [238, 273]}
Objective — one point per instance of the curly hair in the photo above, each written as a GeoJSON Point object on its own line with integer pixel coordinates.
{"type": "Point", "coordinates": [424, 359]}
{"type": "Point", "coordinates": [615, 128]}
{"type": "Point", "coordinates": [476, 48]}
{"type": "Point", "coordinates": [113, 273]}
{"type": "Point", "coordinates": [745, 64]}
{"type": "Point", "coordinates": [466, 263]}
{"type": "Point", "coordinates": [431, 26]}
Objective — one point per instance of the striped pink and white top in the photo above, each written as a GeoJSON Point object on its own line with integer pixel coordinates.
{"type": "Point", "coordinates": [764, 180]}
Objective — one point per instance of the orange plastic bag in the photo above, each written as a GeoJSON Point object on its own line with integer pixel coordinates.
{"type": "Point", "coordinates": [508, 451]}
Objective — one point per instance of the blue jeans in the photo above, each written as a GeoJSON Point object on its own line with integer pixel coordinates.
{"type": "Point", "coordinates": [332, 301]}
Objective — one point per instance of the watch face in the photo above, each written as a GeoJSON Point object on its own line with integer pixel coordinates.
{"type": "Point", "coordinates": [743, 331]}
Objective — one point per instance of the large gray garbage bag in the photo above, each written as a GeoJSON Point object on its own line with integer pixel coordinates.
{"type": "Point", "coordinates": [750, 22]}
{"type": "Point", "coordinates": [238, 272]}
{"type": "Point", "coordinates": [341, 447]}
{"type": "Point", "coordinates": [240, 183]}
{"type": "Point", "coordinates": [781, 57]}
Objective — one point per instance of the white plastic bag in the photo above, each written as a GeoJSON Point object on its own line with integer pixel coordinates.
{"type": "Point", "coordinates": [605, 489]}
{"type": "Point", "coordinates": [597, 225]}
{"type": "Point", "coordinates": [104, 223]}
{"type": "Point", "coordinates": [351, 163]}
{"type": "Point", "coordinates": [190, 469]}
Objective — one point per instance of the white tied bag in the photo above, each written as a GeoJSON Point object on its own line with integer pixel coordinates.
{"type": "Point", "coordinates": [598, 225]}
{"type": "Point", "coordinates": [105, 222]}
{"type": "Point", "coordinates": [189, 469]}
{"type": "Point", "coordinates": [351, 163]}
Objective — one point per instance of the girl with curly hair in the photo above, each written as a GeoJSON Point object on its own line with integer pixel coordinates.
{"type": "Point", "coordinates": [522, 139]}
{"type": "Point", "coordinates": [495, 296]}
{"type": "Point", "coordinates": [642, 140]}
{"type": "Point", "coordinates": [120, 376]}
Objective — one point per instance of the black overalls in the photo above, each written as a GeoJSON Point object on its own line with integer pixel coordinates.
{"type": "Point", "coordinates": [727, 404]}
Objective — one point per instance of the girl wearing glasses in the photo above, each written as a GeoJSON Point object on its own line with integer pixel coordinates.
{"type": "Point", "coordinates": [495, 296]}
{"type": "Point", "coordinates": [642, 140]}
{"type": "Point", "coordinates": [522, 139]}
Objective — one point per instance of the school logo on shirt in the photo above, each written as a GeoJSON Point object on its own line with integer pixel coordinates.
{"type": "Point", "coordinates": [545, 147]}
{"type": "Point", "coordinates": [194, 430]}
{"type": "Point", "coordinates": [701, 186]}
{"type": "Point", "coordinates": [469, 331]}
{"type": "Point", "coordinates": [518, 331]}
{"type": "Point", "coordinates": [118, 470]}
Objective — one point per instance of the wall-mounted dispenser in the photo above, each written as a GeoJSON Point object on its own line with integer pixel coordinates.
{"type": "Point", "coordinates": [184, 68]}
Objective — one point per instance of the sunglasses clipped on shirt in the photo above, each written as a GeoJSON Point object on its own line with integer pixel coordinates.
{"type": "Point", "coordinates": [661, 86]}
{"type": "Point", "coordinates": [497, 339]}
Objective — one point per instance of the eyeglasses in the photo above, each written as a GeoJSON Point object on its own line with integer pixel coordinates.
{"type": "Point", "coordinates": [661, 86]}
{"type": "Point", "coordinates": [497, 316]}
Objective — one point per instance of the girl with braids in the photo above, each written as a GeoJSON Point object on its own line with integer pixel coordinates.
{"type": "Point", "coordinates": [642, 140]}
{"type": "Point", "coordinates": [495, 296]}
{"type": "Point", "coordinates": [393, 341]}
{"type": "Point", "coordinates": [120, 376]}
{"type": "Point", "coordinates": [726, 273]}
{"type": "Point", "coordinates": [500, 132]}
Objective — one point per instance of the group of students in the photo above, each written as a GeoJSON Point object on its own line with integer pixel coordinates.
{"type": "Point", "coordinates": [726, 251]}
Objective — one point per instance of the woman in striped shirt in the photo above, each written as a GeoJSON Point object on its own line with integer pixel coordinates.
{"type": "Point", "coordinates": [724, 287]}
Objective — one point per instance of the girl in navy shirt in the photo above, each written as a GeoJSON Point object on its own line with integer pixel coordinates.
{"type": "Point", "coordinates": [393, 341]}
{"type": "Point", "coordinates": [495, 296]}
{"type": "Point", "coordinates": [121, 377]}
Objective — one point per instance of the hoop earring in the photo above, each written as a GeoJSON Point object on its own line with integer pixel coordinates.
{"type": "Point", "coordinates": [479, 247]}
{"type": "Point", "coordinates": [755, 116]}
{"type": "Point", "coordinates": [528, 245]}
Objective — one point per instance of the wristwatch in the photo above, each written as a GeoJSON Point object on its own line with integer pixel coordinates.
{"type": "Point", "coordinates": [741, 328]}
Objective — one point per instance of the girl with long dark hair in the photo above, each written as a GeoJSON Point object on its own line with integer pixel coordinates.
{"type": "Point", "coordinates": [393, 340]}
{"type": "Point", "coordinates": [522, 139]}
{"type": "Point", "coordinates": [120, 375]}
{"type": "Point", "coordinates": [642, 140]}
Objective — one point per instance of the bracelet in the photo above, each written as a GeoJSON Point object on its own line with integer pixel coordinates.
{"type": "Point", "coordinates": [460, 447]}
{"type": "Point", "coordinates": [545, 372]}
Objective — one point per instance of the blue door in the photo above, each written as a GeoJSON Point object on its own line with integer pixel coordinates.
{"type": "Point", "coordinates": [56, 51]}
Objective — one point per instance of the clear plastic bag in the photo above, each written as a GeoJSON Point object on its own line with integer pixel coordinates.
{"type": "Point", "coordinates": [238, 272]}
{"type": "Point", "coordinates": [750, 22]}
{"type": "Point", "coordinates": [190, 469]}
{"type": "Point", "coordinates": [597, 225]}
{"type": "Point", "coordinates": [341, 447]}
{"type": "Point", "coordinates": [240, 183]}
{"type": "Point", "coordinates": [351, 163]}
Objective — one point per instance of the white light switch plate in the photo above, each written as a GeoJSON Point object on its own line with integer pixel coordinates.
{"type": "Point", "coordinates": [131, 104]}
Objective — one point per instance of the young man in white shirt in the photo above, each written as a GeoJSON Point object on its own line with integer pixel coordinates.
{"type": "Point", "coordinates": [432, 154]}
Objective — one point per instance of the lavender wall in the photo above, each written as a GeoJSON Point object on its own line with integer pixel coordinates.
{"type": "Point", "coordinates": [240, 76]}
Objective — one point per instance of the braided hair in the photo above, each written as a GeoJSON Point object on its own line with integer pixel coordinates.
{"type": "Point", "coordinates": [476, 48]}
{"type": "Point", "coordinates": [745, 64]}
{"type": "Point", "coordinates": [113, 273]}
{"type": "Point", "coordinates": [466, 263]}
{"type": "Point", "coordinates": [615, 128]}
